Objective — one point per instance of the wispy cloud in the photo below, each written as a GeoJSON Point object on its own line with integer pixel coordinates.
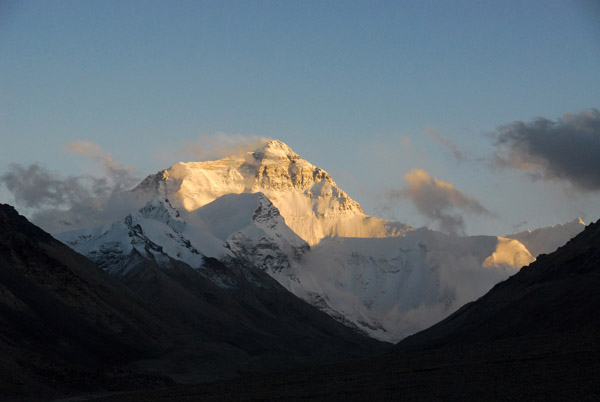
{"type": "Point", "coordinates": [211, 147]}
{"type": "Point", "coordinates": [451, 146]}
{"type": "Point", "coordinates": [119, 175]}
{"type": "Point", "coordinates": [519, 225]}
{"type": "Point", "coordinates": [566, 150]}
{"type": "Point", "coordinates": [438, 201]}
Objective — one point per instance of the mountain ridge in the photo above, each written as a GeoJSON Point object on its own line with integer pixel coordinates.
{"type": "Point", "coordinates": [277, 212]}
{"type": "Point", "coordinates": [544, 240]}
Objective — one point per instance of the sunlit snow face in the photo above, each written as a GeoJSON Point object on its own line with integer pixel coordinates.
{"type": "Point", "coordinates": [306, 196]}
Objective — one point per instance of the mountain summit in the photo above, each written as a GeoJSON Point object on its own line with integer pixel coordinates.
{"type": "Point", "coordinates": [310, 201]}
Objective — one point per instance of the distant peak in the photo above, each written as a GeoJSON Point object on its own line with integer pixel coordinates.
{"type": "Point", "coordinates": [575, 222]}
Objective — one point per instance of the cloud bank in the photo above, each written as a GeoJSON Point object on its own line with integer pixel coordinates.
{"type": "Point", "coordinates": [35, 187]}
{"type": "Point", "coordinates": [438, 201]}
{"type": "Point", "coordinates": [64, 203]}
{"type": "Point", "coordinates": [566, 150]}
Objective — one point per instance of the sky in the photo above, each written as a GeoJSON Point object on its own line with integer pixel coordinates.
{"type": "Point", "coordinates": [471, 117]}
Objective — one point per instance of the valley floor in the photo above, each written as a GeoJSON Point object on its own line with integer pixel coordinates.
{"type": "Point", "coordinates": [562, 367]}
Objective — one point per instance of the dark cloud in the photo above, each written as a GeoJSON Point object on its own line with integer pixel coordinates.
{"type": "Point", "coordinates": [567, 149]}
{"type": "Point", "coordinates": [439, 201]}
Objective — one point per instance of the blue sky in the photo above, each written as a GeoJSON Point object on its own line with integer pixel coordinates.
{"type": "Point", "coordinates": [367, 90]}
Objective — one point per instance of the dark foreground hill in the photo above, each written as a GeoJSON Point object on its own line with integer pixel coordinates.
{"type": "Point", "coordinates": [533, 337]}
{"type": "Point", "coordinates": [67, 327]}
{"type": "Point", "coordinates": [64, 324]}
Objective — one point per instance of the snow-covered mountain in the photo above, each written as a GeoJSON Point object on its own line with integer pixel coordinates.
{"type": "Point", "coordinates": [548, 239]}
{"type": "Point", "coordinates": [233, 227]}
{"type": "Point", "coordinates": [273, 210]}
{"type": "Point", "coordinates": [311, 203]}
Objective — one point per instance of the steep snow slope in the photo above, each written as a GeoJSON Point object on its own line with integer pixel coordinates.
{"type": "Point", "coordinates": [548, 239]}
{"type": "Point", "coordinates": [243, 227]}
{"type": "Point", "coordinates": [252, 230]}
{"type": "Point", "coordinates": [154, 232]}
{"type": "Point", "coordinates": [306, 196]}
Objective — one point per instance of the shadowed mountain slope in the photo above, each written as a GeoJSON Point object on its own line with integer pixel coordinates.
{"type": "Point", "coordinates": [250, 321]}
{"type": "Point", "coordinates": [66, 326]}
{"type": "Point", "coordinates": [63, 321]}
